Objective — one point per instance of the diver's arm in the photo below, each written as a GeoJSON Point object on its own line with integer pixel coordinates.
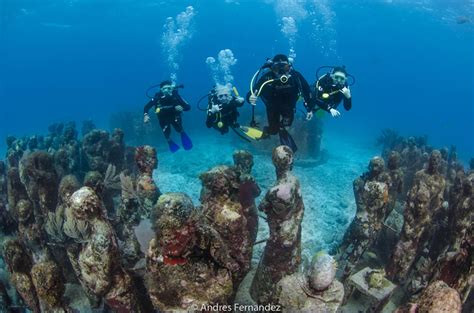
{"type": "Point", "coordinates": [259, 84]}
{"type": "Point", "coordinates": [306, 91]}
{"type": "Point", "coordinates": [323, 105]}
{"type": "Point", "coordinates": [347, 103]}
{"type": "Point", "coordinates": [149, 105]}
{"type": "Point", "coordinates": [236, 103]}
{"type": "Point", "coordinates": [184, 104]}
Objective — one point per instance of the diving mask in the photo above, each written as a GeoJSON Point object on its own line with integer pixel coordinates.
{"type": "Point", "coordinates": [167, 90]}
{"type": "Point", "coordinates": [224, 97]}
{"type": "Point", "coordinates": [281, 67]}
{"type": "Point", "coordinates": [339, 78]}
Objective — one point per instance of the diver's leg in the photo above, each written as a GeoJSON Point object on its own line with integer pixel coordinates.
{"type": "Point", "coordinates": [273, 117]}
{"type": "Point", "coordinates": [165, 127]}
{"type": "Point", "coordinates": [185, 140]}
{"type": "Point", "coordinates": [287, 117]}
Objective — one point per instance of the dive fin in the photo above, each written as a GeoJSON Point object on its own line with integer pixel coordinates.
{"type": "Point", "coordinates": [320, 113]}
{"type": "Point", "coordinates": [251, 132]}
{"type": "Point", "coordinates": [240, 134]}
{"type": "Point", "coordinates": [186, 141]}
{"type": "Point", "coordinates": [287, 140]}
{"type": "Point", "coordinates": [173, 146]}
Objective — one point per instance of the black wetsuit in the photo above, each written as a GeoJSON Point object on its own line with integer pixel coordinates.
{"type": "Point", "coordinates": [167, 114]}
{"type": "Point", "coordinates": [227, 115]}
{"type": "Point", "coordinates": [327, 85]}
{"type": "Point", "coordinates": [280, 99]}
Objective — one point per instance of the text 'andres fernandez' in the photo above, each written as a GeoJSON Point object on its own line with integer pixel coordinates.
{"type": "Point", "coordinates": [236, 307]}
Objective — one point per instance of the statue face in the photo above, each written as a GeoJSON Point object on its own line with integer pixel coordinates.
{"type": "Point", "coordinates": [376, 166]}
{"type": "Point", "coordinates": [435, 160]}
{"type": "Point", "coordinates": [177, 242]}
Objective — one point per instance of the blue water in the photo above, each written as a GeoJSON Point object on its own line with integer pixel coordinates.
{"type": "Point", "coordinates": [79, 59]}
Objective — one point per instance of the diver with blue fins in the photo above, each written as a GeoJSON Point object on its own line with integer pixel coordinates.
{"type": "Point", "coordinates": [280, 89]}
{"type": "Point", "coordinates": [169, 106]}
{"type": "Point", "coordinates": [330, 90]}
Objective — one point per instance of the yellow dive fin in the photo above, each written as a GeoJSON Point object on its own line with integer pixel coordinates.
{"type": "Point", "coordinates": [252, 133]}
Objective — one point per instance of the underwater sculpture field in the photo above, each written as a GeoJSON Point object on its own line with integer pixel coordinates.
{"type": "Point", "coordinates": [116, 244]}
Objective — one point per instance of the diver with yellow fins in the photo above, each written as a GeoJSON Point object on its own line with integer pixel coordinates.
{"type": "Point", "coordinates": [330, 90]}
{"type": "Point", "coordinates": [279, 88]}
{"type": "Point", "coordinates": [222, 112]}
{"type": "Point", "coordinates": [222, 107]}
{"type": "Point", "coordinates": [169, 106]}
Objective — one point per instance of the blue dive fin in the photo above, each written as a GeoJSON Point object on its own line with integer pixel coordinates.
{"type": "Point", "coordinates": [173, 146]}
{"type": "Point", "coordinates": [186, 141]}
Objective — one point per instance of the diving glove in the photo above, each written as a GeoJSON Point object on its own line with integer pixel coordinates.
{"type": "Point", "coordinates": [253, 99]}
{"type": "Point", "coordinates": [334, 113]}
{"type": "Point", "coordinates": [346, 92]}
{"type": "Point", "coordinates": [214, 109]}
{"type": "Point", "coordinates": [146, 118]}
{"type": "Point", "coordinates": [309, 116]}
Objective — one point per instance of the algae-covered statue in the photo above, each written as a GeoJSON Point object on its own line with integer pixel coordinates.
{"type": "Point", "coordinates": [424, 200]}
{"type": "Point", "coordinates": [188, 264]}
{"type": "Point", "coordinates": [224, 212]}
{"type": "Point", "coordinates": [248, 190]}
{"type": "Point", "coordinates": [98, 261]}
{"type": "Point", "coordinates": [371, 192]}
{"type": "Point", "coordinates": [284, 207]}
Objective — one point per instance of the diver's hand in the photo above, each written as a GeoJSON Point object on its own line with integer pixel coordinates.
{"type": "Point", "coordinates": [179, 108]}
{"type": "Point", "coordinates": [334, 113]}
{"type": "Point", "coordinates": [346, 92]}
{"type": "Point", "coordinates": [253, 99]}
{"type": "Point", "coordinates": [146, 118]}
{"type": "Point", "coordinates": [309, 115]}
{"type": "Point", "coordinates": [214, 109]}
{"type": "Point", "coordinates": [240, 99]}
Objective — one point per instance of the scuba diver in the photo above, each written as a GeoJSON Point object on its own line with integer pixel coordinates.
{"type": "Point", "coordinates": [330, 90]}
{"type": "Point", "coordinates": [280, 89]}
{"type": "Point", "coordinates": [222, 109]}
{"type": "Point", "coordinates": [169, 106]}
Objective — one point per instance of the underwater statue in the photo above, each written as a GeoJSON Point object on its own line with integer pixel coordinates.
{"type": "Point", "coordinates": [224, 212]}
{"type": "Point", "coordinates": [284, 207]}
{"type": "Point", "coordinates": [187, 264]}
{"type": "Point", "coordinates": [436, 298]}
{"type": "Point", "coordinates": [424, 200]}
{"type": "Point", "coordinates": [455, 265]}
{"type": "Point", "coordinates": [248, 190]}
{"type": "Point", "coordinates": [19, 264]}
{"type": "Point", "coordinates": [411, 161]}
{"type": "Point", "coordinates": [315, 290]}
{"type": "Point", "coordinates": [38, 175]}
{"type": "Point", "coordinates": [98, 262]}
{"type": "Point", "coordinates": [50, 287]}
{"type": "Point", "coordinates": [371, 192]}
{"type": "Point", "coordinates": [146, 161]}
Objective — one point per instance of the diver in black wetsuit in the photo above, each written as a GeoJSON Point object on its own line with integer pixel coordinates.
{"type": "Point", "coordinates": [280, 89]}
{"type": "Point", "coordinates": [222, 109]}
{"type": "Point", "coordinates": [329, 91]}
{"type": "Point", "coordinates": [169, 106]}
